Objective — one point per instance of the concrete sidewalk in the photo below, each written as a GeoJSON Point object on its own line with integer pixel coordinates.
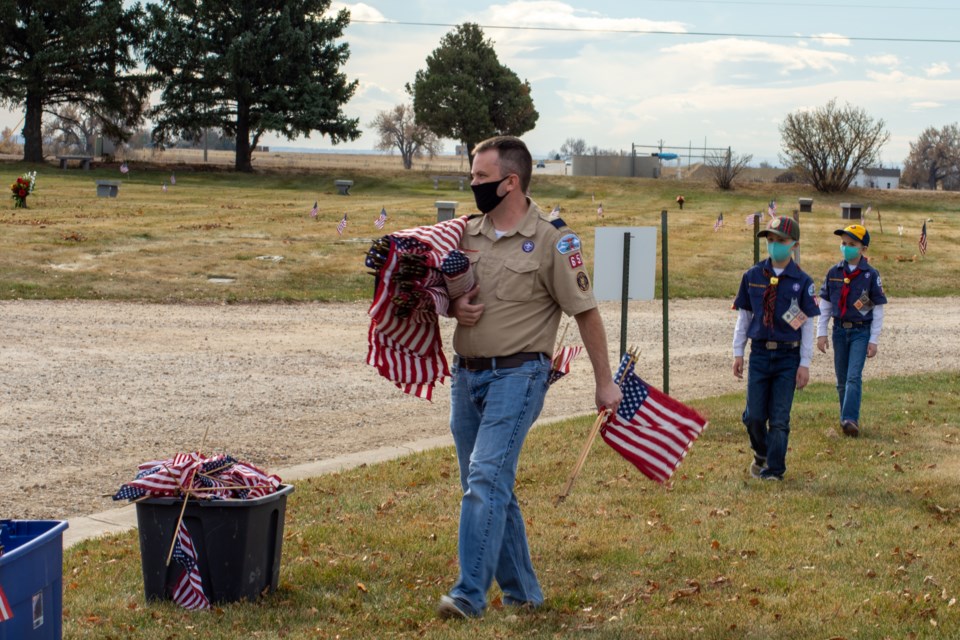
{"type": "Point", "coordinates": [125, 518]}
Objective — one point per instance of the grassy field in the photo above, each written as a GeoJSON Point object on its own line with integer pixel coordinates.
{"type": "Point", "coordinates": [256, 231]}
{"type": "Point", "coordinates": [861, 541]}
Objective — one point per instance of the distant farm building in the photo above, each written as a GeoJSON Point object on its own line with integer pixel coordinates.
{"type": "Point", "coordinates": [877, 179]}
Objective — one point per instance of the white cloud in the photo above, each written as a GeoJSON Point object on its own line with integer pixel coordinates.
{"type": "Point", "coordinates": [831, 39]}
{"type": "Point", "coordinates": [884, 60]}
{"type": "Point", "coordinates": [358, 11]}
{"type": "Point", "coordinates": [925, 105]}
{"type": "Point", "coordinates": [715, 53]}
{"type": "Point", "coordinates": [937, 69]}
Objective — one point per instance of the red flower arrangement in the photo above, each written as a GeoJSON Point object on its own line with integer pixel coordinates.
{"type": "Point", "coordinates": [21, 188]}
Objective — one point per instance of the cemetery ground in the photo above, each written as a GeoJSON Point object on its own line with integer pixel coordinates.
{"type": "Point", "coordinates": [132, 322]}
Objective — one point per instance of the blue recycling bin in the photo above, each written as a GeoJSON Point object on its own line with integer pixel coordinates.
{"type": "Point", "coordinates": [31, 575]}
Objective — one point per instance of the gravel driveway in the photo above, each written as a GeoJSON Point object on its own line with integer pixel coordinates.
{"type": "Point", "coordinates": [88, 390]}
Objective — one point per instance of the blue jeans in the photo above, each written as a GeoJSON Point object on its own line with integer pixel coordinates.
{"type": "Point", "coordinates": [849, 355]}
{"type": "Point", "coordinates": [490, 415]}
{"type": "Point", "coordinates": [771, 381]}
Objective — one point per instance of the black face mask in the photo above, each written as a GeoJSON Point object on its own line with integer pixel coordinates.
{"type": "Point", "coordinates": [486, 195]}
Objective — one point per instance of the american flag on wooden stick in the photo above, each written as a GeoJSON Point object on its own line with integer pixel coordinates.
{"type": "Point", "coordinates": [560, 365]}
{"type": "Point", "coordinates": [342, 224]}
{"type": "Point", "coordinates": [923, 239]}
{"type": "Point", "coordinates": [381, 219]}
{"type": "Point", "coordinates": [188, 591]}
{"type": "Point", "coordinates": [719, 222]}
{"type": "Point", "coordinates": [410, 291]}
{"type": "Point", "coordinates": [650, 429]}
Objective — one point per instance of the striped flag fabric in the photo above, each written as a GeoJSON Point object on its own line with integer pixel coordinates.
{"type": "Point", "coordinates": [749, 219]}
{"type": "Point", "coordinates": [188, 591]}
{"type": "Point", "coordinates": [313, 212]}
{"type": "Point", "coordinates": [6, 611]}
{"type": "Point", "coordinates": [381, 219]}
{"type": "Point", "coordinates": [404, 343]}
{"type": "Point", "coordinates": [650, 429]}
{"type": "Point", "coordinates": [173, 178]}
{"type": "Point", "coordinates": [923, 239]}
{"type": "Point", "coordinates": [560, 365]}
{"type": "Point", "coordinates": [342, 224]}
{"type": "Point", "coordinates": [555, 213]}
{"type": "Point", "coordinates": [719, 222]}
{"type": "Point", "coordinates": [772, 209]}
{"type": "Point", "coordinates": [600, 210]}
{"type": "Point", "coordinates": [124, 169]}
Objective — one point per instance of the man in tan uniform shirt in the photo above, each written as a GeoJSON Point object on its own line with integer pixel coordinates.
{"type": "Point", "coordinates": [530, 270]}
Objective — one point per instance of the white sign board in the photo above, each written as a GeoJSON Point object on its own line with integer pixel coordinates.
{"type": "Point", "coordinates": [608, 263]}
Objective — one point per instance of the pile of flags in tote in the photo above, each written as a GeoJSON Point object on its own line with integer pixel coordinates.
{"type": "Point", "coordinates": [650, 429]}
{"type": "Point", "coordinates": [193, 475]}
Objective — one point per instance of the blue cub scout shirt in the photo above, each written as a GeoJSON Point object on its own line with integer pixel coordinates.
{"type": "Point", "coordinates": [793, 284]}
{"type": "Point", "coordinates": [868, 280]}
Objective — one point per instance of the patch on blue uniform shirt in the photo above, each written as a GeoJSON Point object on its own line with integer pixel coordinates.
{"type": "Point", "coordinates": [796, 286]}
{"type": "Point", "coordinates": [568, 244]}
{"type": "Point", "coordinates": [810, 290]}
{"type": "Point", "coordinates": [527, 246]}
{"type": "Point", "coordinates": [583, 281]}
{"type": "Point", "coordinates": [867, 275]}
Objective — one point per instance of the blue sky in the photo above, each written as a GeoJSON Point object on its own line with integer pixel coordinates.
{"type": "Point", "coordinates": [728, 78]}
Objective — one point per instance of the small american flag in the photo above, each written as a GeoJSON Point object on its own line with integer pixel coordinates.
{"type": "Point", "coordinates": [600, 211]}
{"type": "Point", "coordinates": [381, 219]}
{"type": "Point", "coordinates": [164, 187]}
{"type": "Point", "coordinates": [173, 179]}
{"type": "Point", "coordinates": [865, 214]}
{"type": "Point", "coordinates": [772, 209]}
{"type": "Point", "coordinates": [560, 365]}
{"type": "Point", "coordinates": [188, 592]}
{"type": "Point", "coordinates": [342, 225]}
{"type": "Point", "coordinates": [923, 239]}
{"type": "Point", "coordinates": [650, 429]}
{"type": "Point", "coordinates": [6, 611]}
{"type": "Point", "coordinates": [719, 222]}
{"type": "Point", "coordinates": [313, 212]}
{"type": "Point", "coordinates": [124, 168]}
{"type": "Point", "coordinates": [750, 218]}
{"type": "Point", "coordinates": [556, 211]}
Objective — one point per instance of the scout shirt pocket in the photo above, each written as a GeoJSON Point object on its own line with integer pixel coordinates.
{"type": "Point", "coordinates": [517, 280]}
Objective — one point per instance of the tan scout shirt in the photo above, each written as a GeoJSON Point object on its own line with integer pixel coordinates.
{"type": "Point", "coordinates": [527, 279]}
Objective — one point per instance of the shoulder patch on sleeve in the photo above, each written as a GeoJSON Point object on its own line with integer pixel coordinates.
{"type": "Point", "coordinates": [558, 223]}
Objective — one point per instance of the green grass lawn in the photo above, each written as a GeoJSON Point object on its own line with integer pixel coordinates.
{"type": "Point", "coordinates": [862, 540]}
{"type": "Point", "coordinates": [151, 245]}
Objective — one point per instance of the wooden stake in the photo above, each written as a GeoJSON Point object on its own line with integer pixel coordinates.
{"type": "Point", "coordinates": [186, 496]}
{"type": "Point", "coordinates": [633, 355]}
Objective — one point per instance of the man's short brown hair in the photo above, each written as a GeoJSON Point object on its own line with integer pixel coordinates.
{"type": "Point", "coordinates": [514, 157]}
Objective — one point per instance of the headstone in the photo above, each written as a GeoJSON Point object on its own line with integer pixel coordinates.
{"type": "Point", "coordinates": [806, 204]}
{"type": "Point", "coordinates": [343, 186]}
{"type": "Point", "coordinates": [446, 210]}
{"type": "Point", "coordinates": [851, 210]}
{"type": "Point", "coordinates": [107, 188]}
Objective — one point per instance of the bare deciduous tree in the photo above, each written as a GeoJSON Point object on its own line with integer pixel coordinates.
{"type": "Point", "coordinates": [830, 145]}
{"type": "Point", "coordinates": [398, 129]}
{"type": "Point", "coordinates": [934, 159]}
{"type": "Point", "coordinates": [726, 166]}
{"type": "Point", "coordinates": [70, 129]}
{"type": "Point", "coordinates": [574, 147]}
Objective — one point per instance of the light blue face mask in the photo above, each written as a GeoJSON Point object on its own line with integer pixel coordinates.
{"type": "Point", "coordinates": [779, 252]}
{"type": "Point", "coordinates": [850, 253]}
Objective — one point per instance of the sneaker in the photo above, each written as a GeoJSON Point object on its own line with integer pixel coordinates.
{"type": "Point", "coordinates": [850, 428]}
{"type": "Point", "coordinates": [757, 467]}
{"type": "Point", "coordinates": [770, 476]}
{"type": "Point", "coordinates": [451, 609]}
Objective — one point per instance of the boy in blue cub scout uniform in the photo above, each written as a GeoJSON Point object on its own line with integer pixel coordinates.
{"type": "Point", "coordinates": [852, 295]}
{"type": "Point", "coordinates": [776, 305]}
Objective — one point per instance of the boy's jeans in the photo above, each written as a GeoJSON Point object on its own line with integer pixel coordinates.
{"type": "Point", "coordinates": [849, 355]}
{"type": "Point", "coordinates": [771, 381]}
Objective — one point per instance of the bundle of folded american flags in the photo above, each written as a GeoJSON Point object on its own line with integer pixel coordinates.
{"type": "Point", "coordinates": [193, 475]}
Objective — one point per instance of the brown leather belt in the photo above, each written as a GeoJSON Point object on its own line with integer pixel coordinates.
{"type": "Point", "coordinates": [771, 345]}
{"type": "Point", "coordinates": [850, 324]}
{"type": "Point", "coordinates": [500, 362]}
